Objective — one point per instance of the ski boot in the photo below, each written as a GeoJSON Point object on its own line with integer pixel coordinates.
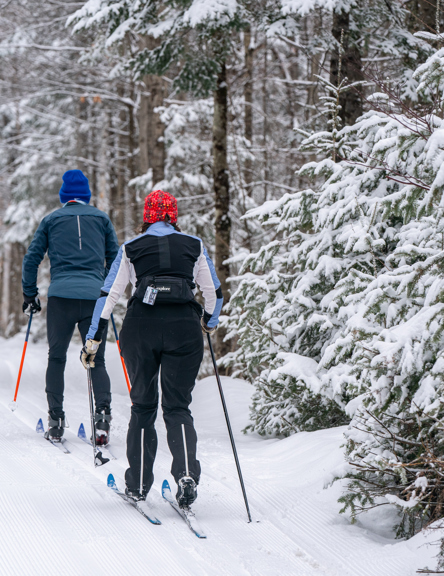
{"type": "Point", "coordinates": [136, 495]}
{"type": "Point", "coordinates": [102, 420]}
{"type": "Point", "coordinates": [186, 492]}
{"type": "Point", "coordinates": [56, 426]}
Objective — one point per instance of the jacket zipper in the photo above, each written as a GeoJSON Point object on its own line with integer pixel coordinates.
{"type": "Point", "coordinates": [80, 232]}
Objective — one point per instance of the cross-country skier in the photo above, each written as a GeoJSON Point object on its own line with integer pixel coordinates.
{"type": "Point", "coordinates": [81, 245]}
{"type": "Point", "coordinates": [161, 332]}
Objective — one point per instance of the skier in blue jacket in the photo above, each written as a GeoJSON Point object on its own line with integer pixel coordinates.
{"type": "Point", "coordinates": [81, 245]}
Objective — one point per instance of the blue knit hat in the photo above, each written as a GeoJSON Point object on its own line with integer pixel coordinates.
{"type": "Point", "coordinates": [75, 187]}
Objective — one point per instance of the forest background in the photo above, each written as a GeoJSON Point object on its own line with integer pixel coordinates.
{"type": "Point", "coordinates": [304, 142]}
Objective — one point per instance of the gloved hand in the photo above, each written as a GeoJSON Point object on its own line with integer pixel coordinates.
{"type": "Point", "coordinates": [31, 304]}
{"type": "Point", "coordinates": [89, 352]}
{"type": "Point", "coordinates": [206, 329]}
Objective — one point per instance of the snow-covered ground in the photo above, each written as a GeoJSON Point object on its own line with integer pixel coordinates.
{"type": "Point", "coordinates": [58, 516]}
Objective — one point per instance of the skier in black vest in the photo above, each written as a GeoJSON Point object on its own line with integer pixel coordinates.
{"type": "Point", "coordinates": [162, 330]}
{"type": "Point", "coordinates": [81, 245]}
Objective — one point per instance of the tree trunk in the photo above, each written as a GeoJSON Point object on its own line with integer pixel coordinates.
{"type": "Point", "coordinates": [151, 127]}
{"type": "Point", "coordinates": [12, 317]}
{"type": "Point", "coordinates": [422, 16]}
{"type": "Point", "coordinates": [117, 175]}
{"type": "Point", "coordinates": [156, 128]}
{"type": "Point", "coordinates": [82, 134]}
{"type": "Point", "coordinates": [222, 195]}
{"type": "Point", "coordinates": [132, 216]}
{"type": "Point", "coordinates": [142, 120]}
{"type": "Point", "coordinates": [265, 124]}
{"type": "Point", "coordinates": [248, 106]}
{"type": "Point", "coordinates": [248, 128]}
{"type": "Point", "coordinates": [350, 100]}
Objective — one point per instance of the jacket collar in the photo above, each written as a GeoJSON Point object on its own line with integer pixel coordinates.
{"type": "Point", "coordinates": [160, 225]}
{"type": "Point", "coordinates": [75, 201]}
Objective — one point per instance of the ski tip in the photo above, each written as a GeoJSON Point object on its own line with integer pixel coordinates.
{"type": "Point", "coordinates": [110, 481]}
{"type": "Point", "coordinates": [165, 486]}
{"type": "Point", "coordinates": [81, 433]}
{"type": "Point", "coordinates": [39, 428]}
{"type": "Point", "coordinates": [13, 406]}
{"type": "Point", "coordinates": [155, 521]}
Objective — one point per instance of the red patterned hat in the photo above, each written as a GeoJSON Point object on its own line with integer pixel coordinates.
{"type": "Point", "coordinates": [158, 205]}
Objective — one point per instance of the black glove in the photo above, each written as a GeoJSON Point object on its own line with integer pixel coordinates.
{"type": "Point", "coordinates": [31, 304]}
{"type": "Point", "coordinates": [206, 329]}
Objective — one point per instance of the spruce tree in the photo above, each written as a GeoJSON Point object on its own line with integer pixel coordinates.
{"type": "Point", "coordinates": [280, 310]}
{"type": "Point", "coordinates": [395, 440]}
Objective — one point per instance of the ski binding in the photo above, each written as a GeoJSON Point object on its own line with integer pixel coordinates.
{"type": "Point", "coordinates": [60, 444]}
{"type": "Point", "coordinates": [82, 435]}
{"type": "Point", "coordinates": [112, 484]}
{"type": "Point", "coordinates": [185, 513]}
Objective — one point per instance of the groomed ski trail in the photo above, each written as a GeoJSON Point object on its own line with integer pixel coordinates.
{"type": "Point", "coordinates": [58, 508]}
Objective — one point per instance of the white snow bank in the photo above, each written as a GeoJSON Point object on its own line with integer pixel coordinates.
{"type": "Point", "coordinates": [59, 517]}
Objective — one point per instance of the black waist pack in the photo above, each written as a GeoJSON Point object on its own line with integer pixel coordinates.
{"type": "Point", "coordinates": [170, 289]}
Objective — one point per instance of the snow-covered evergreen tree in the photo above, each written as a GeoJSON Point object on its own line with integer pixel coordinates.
{"type": "Point", "coordinates": [395, 441]}
{"type": "Point", "coordinates": [281, 311]}
{"type": "Point", "coordinates": [343, 311]}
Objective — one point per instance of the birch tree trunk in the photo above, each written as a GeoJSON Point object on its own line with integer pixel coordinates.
{"type": "Point", "coordinates": [222, 195]}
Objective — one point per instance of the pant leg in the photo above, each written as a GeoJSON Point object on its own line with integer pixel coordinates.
{"type": "Point", "coordinates": [141, 430]}
{"type": "Point", "coordinates": [181, 358]}
{"type": "Point", "coordinates": [100, 378]}
{"type": "Point", "coordinates": [60, 322]}
{"type": "Point", "coordinates": [139, 341]}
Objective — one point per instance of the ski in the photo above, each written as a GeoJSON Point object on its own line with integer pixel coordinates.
{"type": "Point", "coordinates": [186, 514]}
{"type": "Point", "coordinates": [112, 484]}
{"type": "Point", "coordinates": [82, 435]}
{"type": "Point", "coordinates": [60, 445]}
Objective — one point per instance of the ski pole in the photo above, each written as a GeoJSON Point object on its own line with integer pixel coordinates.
{"type": "Point", "coordinates": [230, 432]}
{"type": "Point", "coordinates": [121, 357]}
{"type": "Point", "coordinates": [99, 460]}
{"type": "Point", "coordinates": [13, 404]}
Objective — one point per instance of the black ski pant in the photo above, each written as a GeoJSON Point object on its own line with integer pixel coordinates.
{"type": "Point", "coordinates": [165, 338]}
{"type": "Point", "coordinates": [62, 316]}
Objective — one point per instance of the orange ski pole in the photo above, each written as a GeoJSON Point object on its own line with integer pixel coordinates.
{"type": "Point", "coordinates": [121, 357]}
{"type": "Point", "coordinates": [13, 404]}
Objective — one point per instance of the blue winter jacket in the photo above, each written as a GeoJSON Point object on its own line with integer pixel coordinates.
{"type": "Point", "coordinates": [81, 245]}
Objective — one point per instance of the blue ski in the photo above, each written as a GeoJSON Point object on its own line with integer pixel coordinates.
{"type": "Point", "coordinates": [82, 435]}
{"type": "Point", "coordinates": [112, 484]}
{"type": "Point", "coordinates": [186, 514]}
{"type": "Point", "coordinates": [60, 445]}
